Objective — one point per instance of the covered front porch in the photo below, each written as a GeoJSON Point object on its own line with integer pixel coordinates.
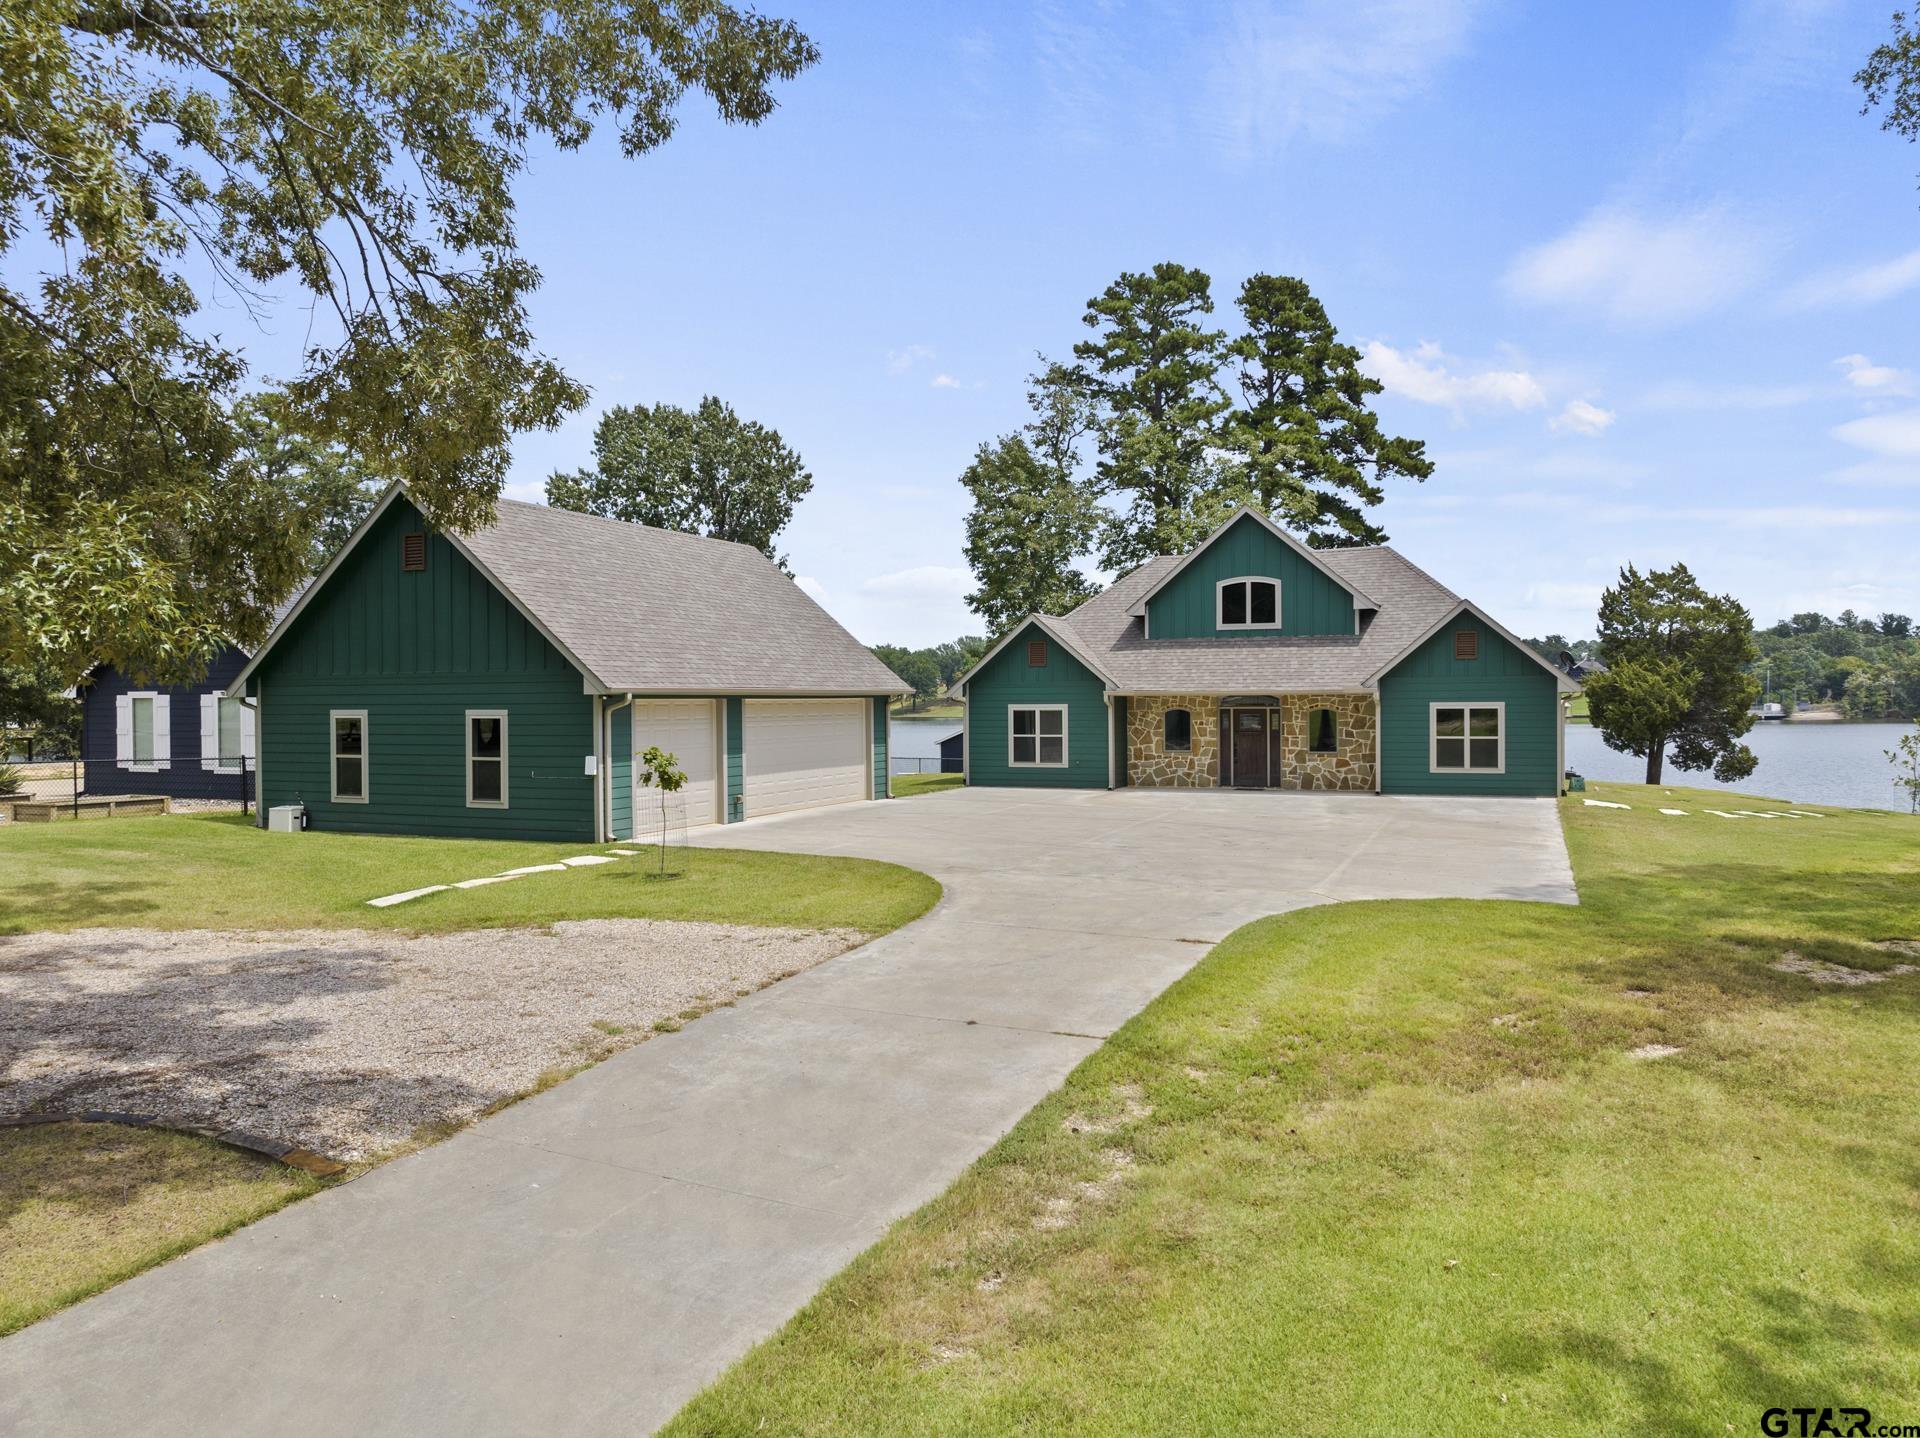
{"type": "Point", "coordinates": [1323, 742]}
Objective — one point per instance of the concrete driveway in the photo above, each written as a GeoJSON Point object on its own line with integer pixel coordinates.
{"type": "Point", "coordinates": [590, 1258]}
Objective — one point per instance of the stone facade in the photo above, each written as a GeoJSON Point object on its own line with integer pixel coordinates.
{"type": "Point", "coordinates": [1150, 766]}
{"type": "Point", "coordinates": [1352, 766]}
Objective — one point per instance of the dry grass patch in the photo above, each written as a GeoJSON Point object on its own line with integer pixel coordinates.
{"type": "Point", "coordinates": [83, 1206]}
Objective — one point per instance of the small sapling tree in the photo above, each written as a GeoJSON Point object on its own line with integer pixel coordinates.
{"type": "Point", "coordinates": [661, 770]}
{"type": "Point", "coordinates": [1905, 758]}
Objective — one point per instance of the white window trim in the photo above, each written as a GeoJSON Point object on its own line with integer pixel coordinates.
{"type": "Point", "coordinates": [157, 762]}
{"type": "Point", "coordinates": [1220, 602]}
{"type": "Point", "coordinates": [1037, 762]}
{"type": "Point", "coordinates": [501, 715]}
{"type": "Point", "coordinates": [1433, 735]}
{"type": "Point", "coordinates": [246, 749]}
{"type": "Point", "coordinates": [366, 757]}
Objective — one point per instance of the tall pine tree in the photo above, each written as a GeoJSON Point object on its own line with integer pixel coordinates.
{"type": "Point", "coordinates": [1307, 448]}
{"type": "Point", "coordinates": [1151, 372]}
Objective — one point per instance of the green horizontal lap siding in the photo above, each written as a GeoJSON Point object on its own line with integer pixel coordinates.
{"type": "Point", "coordinates": [1310, 602]}
{"type": "Point", "coordinates": [880, 738]}
{"type": "Point", "coordinates": [416, 651]}
{"type": "Point", "coordinates": [1009, 679]}
{"type": "Point", "coordinates": [620, 774]}
{"type": "Point", "coordinates": [1431, 675]}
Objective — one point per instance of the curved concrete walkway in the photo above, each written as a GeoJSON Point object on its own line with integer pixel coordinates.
{"type": "Point", "coordinates": [587, 1260]}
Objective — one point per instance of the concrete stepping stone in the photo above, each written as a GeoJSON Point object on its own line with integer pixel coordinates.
{"type": "Point", "coordinates": [1681, 813]}
{"type": "Point", "coordinates": [1605, 804]}
{"type": "Point", "coordinates": [483, 882]}
{"type": "Point", "coordinates": [581, 861]}
{"type": "Point", "coordinates": [1722, 813]}
{"type": "Point", "coordinates": [535, 869]}
{"type": "Point", "coordinates": [387, 901]}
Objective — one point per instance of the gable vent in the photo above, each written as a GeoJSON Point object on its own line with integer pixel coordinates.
{"type": "Point", "coordinates": [1036, 654]}
{"type": "Point", "coordinates": [1466, 644]}
{"type": "Point", "coordinates": [413, 551]}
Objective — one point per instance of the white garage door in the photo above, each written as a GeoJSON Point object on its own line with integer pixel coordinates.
{"type": "Point", "coordinates": [684, 728]}
{"type": "Point", "coordinates": [804, 752]}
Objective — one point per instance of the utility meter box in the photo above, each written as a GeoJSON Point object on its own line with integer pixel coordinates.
{"type": "Point", "coordinates": [286, 818]}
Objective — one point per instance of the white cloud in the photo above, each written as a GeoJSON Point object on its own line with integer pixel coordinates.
{"type": "Point", "coordinates": [1428, 375]}
{"type": "Point", "coordinates": [1644, 271]}
{"type": "Point", "coordinates": [1858, 284]}
{"type": "Point", "coordinates": [1324, 68]}
{"type": "Point", "coordinates": [1877, 473]}
{"type": "Point", "coordinates": [811, 587]}
{"type": "Point", "coordinates": [926, 581]}
{"type": "Point", "coordinates": [1897, 436]}
{"type": "Point", "coordinates": [945, 381]}
{"type": "Point", "coordinates": [1874, 379]}
{"type": "Point", "coordinates": [1579, 417]}
{"type": "Point", "coordinates": [1692, 394]}
{"type": "Point", "coordinates": [901, 360]}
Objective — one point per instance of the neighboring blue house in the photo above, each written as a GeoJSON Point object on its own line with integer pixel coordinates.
{"type": "Point", "coordinates": [953, 753]}
{"type": "Point", "coordinates": [184, 741]}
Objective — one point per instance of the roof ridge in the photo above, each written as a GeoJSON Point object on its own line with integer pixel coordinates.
{"type": "Point", "coordinates": [1389, 549]}
{"type": "Point", "coordinates": [629, 523]}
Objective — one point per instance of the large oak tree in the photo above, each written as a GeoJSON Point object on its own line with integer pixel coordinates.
{"type": "Point", "coordinates": [358, 157]}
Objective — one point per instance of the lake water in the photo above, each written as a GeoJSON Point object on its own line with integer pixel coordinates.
{"type": "Point", "coordinates": [1809, 763]}
{"type": "Point", "coordinates": [1840, 764]}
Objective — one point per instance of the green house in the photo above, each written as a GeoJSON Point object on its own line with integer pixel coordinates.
{"type": "Point", "coordinates": [1254, 662]}
{"type": "Point", "coordinates": [502, 683]}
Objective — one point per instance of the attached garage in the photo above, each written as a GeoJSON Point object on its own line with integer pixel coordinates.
{"type": "Point", "coordinates": [685, 728]}
{"type": "Point", "coordinates": [802, 753]}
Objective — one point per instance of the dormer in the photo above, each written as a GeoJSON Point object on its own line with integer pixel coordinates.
{"type": "Point", "coordinates": [1251, 579]}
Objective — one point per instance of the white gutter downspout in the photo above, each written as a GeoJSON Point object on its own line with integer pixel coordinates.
{"type": "Point", "coordinates": [1379, 742]}
{"type": "Point", "coordinates": [259, 744]}
{"type": "Point", "coordinates": [1109, 698]}
{"type": "Point", "coordinates": [606, 785]}
{"type": "Point", "coordinates": [1560, 749]}
{"type": "Point", "coordinates": [966, 736]}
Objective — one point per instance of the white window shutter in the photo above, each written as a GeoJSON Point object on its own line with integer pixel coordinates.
{"type": "Point", "coordinates": [209, 731]}
{"type": "Point", "coordinates": [246, 731]}
{"type": "Point", "coordinates": [162, 731]}
{"type": "Point", "coordinates": [123, 729]}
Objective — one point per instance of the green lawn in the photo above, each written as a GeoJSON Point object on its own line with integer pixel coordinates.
{"type": "Point", "coordinates": [905, 786]}
{"type": "Point", "coordinates": [1394, 1167]}
{"type": "Point", "coordinates": [83, 1206]}
{"type": "Point", "coordinates": [217, 871]}
{"type": "Point", "coordinates": [951, 709]}
{"type": "Point", "coordinates": [1577, 709]}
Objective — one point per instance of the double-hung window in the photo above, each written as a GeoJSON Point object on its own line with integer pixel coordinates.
{"type": "Point", "coordinates": [1037, 736]}
{"type": "Point", "coordinates": [350, 752]}
{"type": "Point", "coordinates": [1247, 603]}
{"type": "Point", "coordinates": [1469, 739]}
{"type": "Point", "coordinates": [486, 758]}
{"type": "Point", "coordinates": [141, 709]}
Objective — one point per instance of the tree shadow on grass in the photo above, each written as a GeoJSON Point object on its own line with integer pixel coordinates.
{"type": "Point", "coordinates": [27, 908]}
{"type": "Point", "coordinates": [211, 1043]}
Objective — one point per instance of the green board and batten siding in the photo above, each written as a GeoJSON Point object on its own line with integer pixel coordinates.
{"type": "Point", "coordinates": [1008, 679]}
{"type": "Point", "coordinates": [416, 650]}
{"type": "Point", "coordinates": [1431, 675]}
{"type": "Point", "coordinates": [1310, 602]}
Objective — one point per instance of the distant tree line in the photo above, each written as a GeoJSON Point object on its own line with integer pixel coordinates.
{"type": "Point", "coordinates": [1868, 666]}
{"type": "Point", "coordinates": [932, 670]}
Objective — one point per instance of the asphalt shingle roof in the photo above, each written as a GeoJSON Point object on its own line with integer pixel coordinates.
{"type": "Point", "coordinates": [1410, 602]}
{"type": "Point", "coordinates": [663, 612]}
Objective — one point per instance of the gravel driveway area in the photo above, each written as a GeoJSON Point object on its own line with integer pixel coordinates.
{"type": "Point", "coordinates": [346, 1041]}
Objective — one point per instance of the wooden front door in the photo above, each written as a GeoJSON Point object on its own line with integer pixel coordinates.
{"type": "Point", "coordinates": [1249, 748]}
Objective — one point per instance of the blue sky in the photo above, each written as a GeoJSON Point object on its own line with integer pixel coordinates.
{"type": "Point", "coordinates": [1640, 274]}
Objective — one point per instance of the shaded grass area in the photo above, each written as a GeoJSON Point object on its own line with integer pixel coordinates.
{"type": "Point", "coordinates": [1396, 1166]}
{"type": "Point", "coordinates": [945, 710]}
{"type": "Point", "coordinates": [906, 786]}
{"type": "Point", "coordinates": [218, 871]}
{"type": "Point", "coordinates": [83, 1206]}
